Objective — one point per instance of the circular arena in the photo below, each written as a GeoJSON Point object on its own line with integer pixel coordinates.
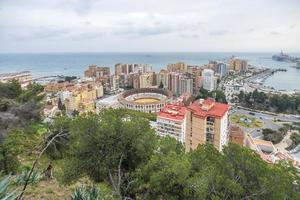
{"type": "Point", "coordinates": [150, 100]}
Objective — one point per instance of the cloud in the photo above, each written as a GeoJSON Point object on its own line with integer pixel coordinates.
{"type": "Point", "coordinates": [218, 32]}
{"type": "Point", "coordinates": [189, 36]}
{"type": "Point", "coordinates": [42, 32]}
{"type": "Point", "coordinates": [143, 25]}
{"type": "Point", "coordinates": [274, 33]}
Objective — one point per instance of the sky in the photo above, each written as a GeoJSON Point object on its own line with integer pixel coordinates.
{"type": "Point", "coordinates": [149, 26]}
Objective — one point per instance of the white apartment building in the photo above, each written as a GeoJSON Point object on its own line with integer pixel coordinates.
{"type": "Point", "coordinates": [208, 79]}
{"type": "Point", "coordinates": [171, 121]}
{"type": "Point", "coordinates": [185, 85]}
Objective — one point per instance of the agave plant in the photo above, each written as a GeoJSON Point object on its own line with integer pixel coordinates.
{"type": "Point", "coordinates": [4, 193]}
{"type": "Point", "coordinates": [86, 193]}
{"type": "Point", "coordinates": [34, 178]}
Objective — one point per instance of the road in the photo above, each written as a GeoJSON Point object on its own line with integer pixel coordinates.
{"type": "Point", "coordinates": [281, 117]}
{"type": "Point", "coordinates": [267, 119]}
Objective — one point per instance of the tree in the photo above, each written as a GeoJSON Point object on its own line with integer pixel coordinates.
{"type": "Point", "coordinates": [161, 85]}
{"type": "Point", "coordinates": [218, 95]}
{"type": "Point", "coordinates": [108, 148]}
{"type": "Point", "coordinates": [60, 105]}
{"type": "Point", "coordinates": [59, 146]}
{"type": "Point", "coordinates": [10, 90]}
{"type": "Point", "coordinates": [10, 148]}
{"type": "Point", "coordinates": [164, 176]}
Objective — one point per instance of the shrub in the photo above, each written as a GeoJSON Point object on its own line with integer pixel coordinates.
{"type": "Point", "coordinates": [34, 178]}
{"type": "Point", "coordinates": [86, 193]}
{"type": "Point", "coordinates": [4, 193]}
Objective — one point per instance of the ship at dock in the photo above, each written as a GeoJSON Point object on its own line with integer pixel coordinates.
{"type": "Point", "coordinates": [282, 57]}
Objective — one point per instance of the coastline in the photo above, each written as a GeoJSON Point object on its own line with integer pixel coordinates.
{"type": "Point", "coordinates": [44, 64]}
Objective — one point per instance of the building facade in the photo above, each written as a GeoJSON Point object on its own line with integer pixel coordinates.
{"type": "Point", "coordinates": [95, 72]}
{"type": "Point", "coordinates": [221, 69]}
{"type": "Point", "coordinates": [208, 79]}
{"type": "Point", "coordinates": [185, 85]}
{"type": "Point", "coordinates": [132, 68]}
{"type": "Point", "coordinates": [207, 122]}
{"type": "Point", "coordinates": [174, 83]}
{"type": "Point", "coordinates": [238, 65]}
{"type": "Point", "coordinates": [179, 67]}
{"type": "Point", "coordinates": [146, 80]}
{"type": "Point", "coordinates": [171, 121]}
{"type": "Point", "coordinates": [24, 77]}
{"type": "Point", "coordinates": [163, 78]}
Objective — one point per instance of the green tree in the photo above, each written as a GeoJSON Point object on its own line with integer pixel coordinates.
{"type": "Point", "coordinates": [59, 146]}
{"type": "Point", "coordinates": [109, 147]}
{"type": "Point", "coordinates": [10, 148]}
{"type": "Point", "coordinates": [10, 90]}
{"type": "Point", "coordinates": [161, 85]}
{"type": "Point", "coordinates": [164, 176]}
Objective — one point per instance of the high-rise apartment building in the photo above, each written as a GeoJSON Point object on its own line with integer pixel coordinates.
{"type": "Point", "coordinates": [135, 81]}
{"type": "Point", "coordinates": [198, 83]}
{"type": "Point", "coordinates": [171, 121]}
{"type": "Point", "coordinates": [180, 67]}
{"type": "Point", "coordinates": [221, 69]}
{"type": "Point", "coordinates": [206, 122]}
{"type": "Point", "coordinates": [146, 80]}
{"type": "Point", "coordinates": [208, 79]}
{"type": "Point", "coordinates": [132, 68]}
{"type": "Point", "coordinates": [163, 78]}
{"type": "Point", "coordinates": [238, 65]}
{"type": "Point", "coordinates": [95, 72]}
{"type": "Point", "coordinates": [174, 83]}
{"type": "Point", "coordinates": [185, 85]}
{"type": "Point", "coordinates": [114, 83]}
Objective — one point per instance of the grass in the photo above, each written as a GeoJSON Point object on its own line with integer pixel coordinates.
{"type": "Point", "coordinates": [255, 123]}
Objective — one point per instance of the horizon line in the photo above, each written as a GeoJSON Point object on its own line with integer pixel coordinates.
{"type": "Point", "coordinates": [142, 52]}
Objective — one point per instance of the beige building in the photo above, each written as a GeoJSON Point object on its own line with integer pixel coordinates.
{"type": "Point", "coordinates": [207, 122]}
{"type": "Point", "coordinates": [132, 68]}
{"type": "Point", "coordinates": [82, 97]}
{"type": "Point", "coordinates": [95, 72]}
{"type": "Point", "coordinates": [237, 135]}
{"type": "Point", "coordinates": [146, 80]}
{"type": "Point", "coordinates": [163, 78]}
{"type": "Point", "coordinates": [238, 65]}
{"type": "Point", "coordinates": [180, 67]}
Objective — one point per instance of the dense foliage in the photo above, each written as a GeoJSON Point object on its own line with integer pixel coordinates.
{"type": "Point", "coordinates": [19, 109]}
{"type": "Point", "coordinates": [5, 193]}
{"type": "Point", "coordinates": [121, 150]}
{"type": "Point", "coordinates": [218, 95]}
{"type": "Point", "coordinates": [295, 138]}
{"type": "Point", "coordinates": [273, 135]}
{"type": "Point", "coordinates": [274, 103]}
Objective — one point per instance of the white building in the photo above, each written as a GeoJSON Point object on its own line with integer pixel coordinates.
{"type": "Point", "coordinates": [114, 83]}
{"type": "Point", "coordinates": [63, 95]}
{"type": "Point", "coordinates": [171, 121]}
{"type": "Point", "coordinates": [108, 102]}
{"type": "Point", "coordinates": [24, 77]}
{"type": "Point", "coordinates": [185, 85]}
{"type": "Point", "coordinates": [208, 79]}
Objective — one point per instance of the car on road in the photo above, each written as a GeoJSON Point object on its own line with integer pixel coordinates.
{"type": "Point", "coordinates": [251, 113]}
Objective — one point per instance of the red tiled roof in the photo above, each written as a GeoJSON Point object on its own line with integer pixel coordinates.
{"type": "Point", "coordinates": [173, 112]}
{"type": "Point", "coordinates": [208, 108]}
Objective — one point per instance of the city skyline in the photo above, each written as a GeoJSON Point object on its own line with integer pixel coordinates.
{"type": "Point", "coordinates": [149, 26]}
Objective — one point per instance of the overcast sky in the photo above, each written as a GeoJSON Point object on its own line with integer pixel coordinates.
{"type": "Point", "coordinates": [149, 25]}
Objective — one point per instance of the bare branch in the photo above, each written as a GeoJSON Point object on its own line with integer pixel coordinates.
{"type": "Point", "coordinates": [36, 162]}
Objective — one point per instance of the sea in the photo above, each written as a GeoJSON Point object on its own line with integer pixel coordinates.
{"type": "Point", "coordinates": [46, 64]}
